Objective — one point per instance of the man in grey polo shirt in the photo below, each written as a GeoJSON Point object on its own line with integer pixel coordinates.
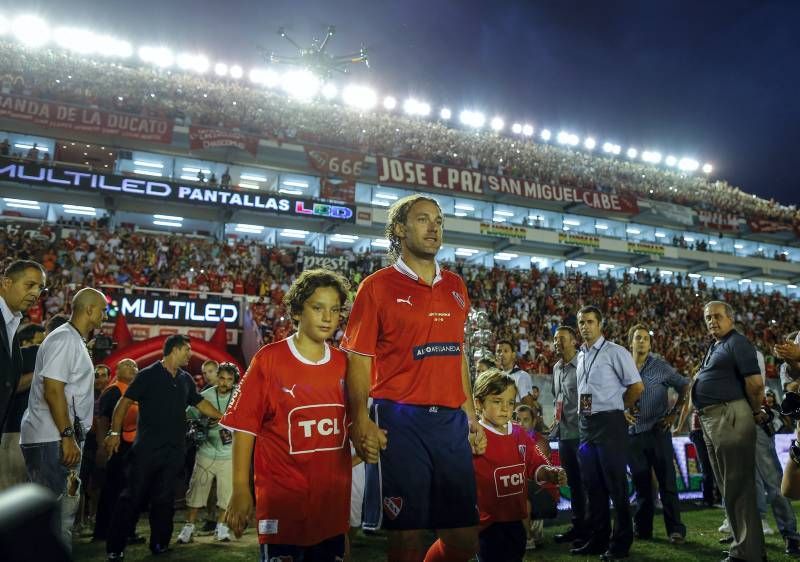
{"type": "Point", "coordinates": [651, 439]}
{"type": "Point", "coordinates": [728, 391]}
{"type": "Point", "coordinates": [608, 384]}
{"type": "Point", "coordinates": [566, 429]}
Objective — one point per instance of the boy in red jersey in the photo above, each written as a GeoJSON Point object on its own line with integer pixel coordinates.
{"type": "Point", "coordinates": [290, 406]}
{"type": "Point", "coordinates": [503, 471]}
{"type": "Point", "coordinates": [405, 338]}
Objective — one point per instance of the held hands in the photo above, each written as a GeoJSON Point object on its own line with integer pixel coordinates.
{"type": "Point", "coordinates": [240, 510]}
{"type": "Point", "coordinates": [666, 422]}
{"type": "Point", "coordinates": [553, 474]}
{"type": "Point", "coordinates": [787, 350]}
{"type": "Point", "coordinates": [630, 418]}
{"type": "Point", "coordinates": [761, 416]}
{"type": "Point", "coordinates": [477, 438]}
{"type": "Point", "coordinates": [368, 439]}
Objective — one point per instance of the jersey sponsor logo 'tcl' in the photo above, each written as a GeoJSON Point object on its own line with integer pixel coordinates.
{"type": "Point", "coordinates": [317, 427]}
{"type": "Point", "coordinates": [509, 480]}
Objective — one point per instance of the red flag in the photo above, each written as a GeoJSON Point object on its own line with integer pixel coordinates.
{"type": "Point", "coordinates": [220, 337]}
{"type": "Point", "coordinates": [122, 335]}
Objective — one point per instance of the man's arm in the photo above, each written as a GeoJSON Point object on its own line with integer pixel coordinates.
{"type": "Point", "coordinates": [57, 403]}
{"type": "Point", "coordinates": [669, 419]}
{"type": "Point", "coordinates": [111, 442]}
{"type": "Point", "coordinates": [477, 438]}
{"type": "Point", "coordinates": [632, 394]}
{"type": "Point", "coordinates": [24, 382]}
{"type": "Point", "coordinates": [754, 389]}
{"type": "Point", "coordinates": [368, 439]}
{"type": "Point", "coordinates": [240, 508]}
{"type": "Point", "coordinates": [207, 409]}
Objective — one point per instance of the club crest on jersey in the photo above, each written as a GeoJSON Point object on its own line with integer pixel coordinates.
{"type": "Point", "coordinates": [522, 450]}
{"type": "Point", "coordinates": [392, 507]}
{"type": "Point", "coordinates": [459, 299]}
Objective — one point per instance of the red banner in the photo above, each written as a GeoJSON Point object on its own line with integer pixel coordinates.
{"type": "Point", "coordinates": [768, 226]}
{"type": "Point", "coordinates": [331, 162]}
{"type": "Point", "coordinates": [202, 138]}
{"type": "Point", "coordinates": [447, 178]}
{"type": "Point", "coordinates": [338, 190]}
{"type": "Point", "coordinates": [85, 119]}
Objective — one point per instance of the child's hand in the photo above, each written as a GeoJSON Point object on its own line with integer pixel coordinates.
{"type": "Point", "coordinates": [554, 475]}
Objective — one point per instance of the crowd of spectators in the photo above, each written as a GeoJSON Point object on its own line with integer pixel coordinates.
{"type": "Point", "coordinates": [193, 99]}
{"type": "Point", "coordinates": [522, 305]}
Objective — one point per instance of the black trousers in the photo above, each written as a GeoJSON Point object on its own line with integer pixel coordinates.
{"type": "Point", "coordinates": [502, 542]}
{"type": "Point", "coordinates": [603, 455]}
{"type": "Point", "coordinates": [710, 491]}
{"type": "Point", "coordinates": [151, 476]}
{"type": "Point", "coordinates": [568, 455]}
{"type": "Point", "coordinates": [651, 451]}
{"type": "Point", "coordinates": [112, 488]}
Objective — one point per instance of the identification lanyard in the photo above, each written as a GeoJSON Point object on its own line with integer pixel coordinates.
{"type": "Point", "coordinates": [230, 395]}
{"type": "Point", "coordinates": [589, 370]}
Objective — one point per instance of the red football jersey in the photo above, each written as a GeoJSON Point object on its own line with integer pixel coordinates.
{"type": "Point", "coordinates": [414, 331]}
{"type": "Point", "coordinates": [296, 410]}
{"type": "Point", "coordinates": [502, 474]}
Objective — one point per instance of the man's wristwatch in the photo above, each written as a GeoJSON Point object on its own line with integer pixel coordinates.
{"type": "Point", "coordinates": [68, 432]}
{"type": "Point", "coordinates": [794, 452]}
{"type": "Point", "coordinates": [110, 433]}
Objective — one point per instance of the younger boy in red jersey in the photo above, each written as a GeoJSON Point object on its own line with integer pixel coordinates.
{"type": "Point", "coordinates": [502, 472]}
{"type": "Point", "coordinates": [290, 407]}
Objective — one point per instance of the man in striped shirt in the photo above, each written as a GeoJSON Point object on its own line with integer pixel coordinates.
{"type": "Point", "coordinates": [651, 439]}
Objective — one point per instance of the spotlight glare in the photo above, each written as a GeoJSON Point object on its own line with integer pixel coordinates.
{"type": "Point", "coordinates": [707, 168]}
{"type": "Point", "coordinates": [497, 124]}
{"type": "Point", "coordinates": [688, 164]}
{"type": "Point", "coordinates": [221, 69]}
{"type": "Point", "coordinates": [359, 97]}
{"type": "Point", "coordinates": [389, 103]}
{"type": "Point", "coordinates": [516, 128]}
{"type": "Point", "coordinates": [236, 72]}
{"type": "Point", "coordinates": [474, 119]}
{"type": "Point", "coordinates": [31, 30]}
{"type": "Point", "coordinates": [300, 84]}
{"type": "Point", "coordinates": [329, 91]}
{"type": "Point", "coordinates": [546, 134]}
{"type": "Point", "coordinates": [445, 113]}
{"type": "Point", "coordinates": [590, 143]}
{"type": "Point", "coordinates": [159, 56]}
{"type": "Point", "coordinates": [527, 130]}
{"type": "Point", "coordinates": [632, 153]}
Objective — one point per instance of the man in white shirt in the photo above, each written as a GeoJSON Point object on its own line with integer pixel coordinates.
{"type": "Point", "coordinates": [506, 354]}
{"type": "Point", "coordinates": [61, 402]}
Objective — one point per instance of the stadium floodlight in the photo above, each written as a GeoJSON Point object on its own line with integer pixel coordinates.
{"type": "Point", "coordinates": [651, 156]}
{"type": "Point", "coordinates": [467, 251]}
{"type": "Point", "coordinates": [632, 153]}
{"type": "Point", "coordinates": [633, 231]}
{"type": "Point", "coordinates": [601, 226]}
{"type": "Point", "coordinates": [221, 69]}
{"type": "Point", "coordinates": [445, 113]}
{"type": "Point", "coordinates": [193, 62]}
{"type": "Point", "coordinates": [527, 130]}
{"type": "Point", "coordinates": [300, 84]}
{"type": "Point", "coordinates": [21, 203]}
{"type": "Point", "coordinates": [790, 286]}
{"type": "Point", "coordinates": [75, 39]}
{"type": "Point", "coordinates": [293, 233]}
{"type": "Point", "coordinates": [266, 77]}
{"type": "Point", "coordinates": [252, 177]}
{"type": "Point", "coordinates": [660, 235]}
{"type": "Point", "coordinates": [502, 213]}
{"type": "Point", "coordinates": [4, 25]}
{"type": "Point", "coordinates": [606, 266]}
{"type": "Point", "coordinates": [571, 222]}
{"type": "Point", "coordinates": [79, 210]}
{"type": "Point", "coordinates": [670, 161]}
{"type": "Point", "coordinates": [108, 46]}
{"type": "Point", "coordinates": [608, 147]}
{"type": "Point", "coordinates": [743, 281]}
{"type": "Point", "coordinates": [470, 118]}
{"type": "Point", "coordinates": [248, 185]}
{"type": "Point", "coordinates": [329, 91]}
{"type": "Point", "coordinates": [570, 139]}
{"type": "Point", "coordinates": [546, 134]}
{"type": "Point", "coordinates": [695, 275]}
{"type": "Point", "coordinates": [505, 256]}
{"type": "Point", "coordinates": [768, 283]}
{"type": "Point", "coordinates": [707, 168]}
{"type": "Point", "coordinates": [463, 207]}
{"type": "Point", "coordinates": [497, 124]}
{"type": "Point", "coordinates": [389, 103]}
{"type": "Point", "coordinates": [381, 243]}
{"type": "Point", "coordinates": [236, 72]}
{"type": "Point", "coordinates": [688, 164]}
{"type": "Point", "coordinates": [589, 143]}
{"type": "Point", "coordinates": [575, 263]}
{"type": "Point", "coordinates": [516, 128]}
{"type": "Point", "coordinates": [31, 30]}
{"type": "Point", "coordinates": [296, 183]}
{"type": "Point", "coordinates": [159, 56]}
{"type": "Point", "coordinates": [249, 228]}
{"type": "Point", "coordinates": [359, 97]}
{"type": "Point", "coordinates": [168, 223]}
{"type": "Point", "coordinates": [148, 164]}
{"type": "Point", "coordinates": [389, 196]}
{"type": "Point", "coordinates": [413, 106]}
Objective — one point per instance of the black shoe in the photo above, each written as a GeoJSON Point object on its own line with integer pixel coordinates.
{"type": "Point", "coordinates": [792, 547]}
{"type": "Point", "coordinates": [643, 536]}
{"type": "Point", "coordinates": [608, 555]}
{"type": "Point", "coordinates": [157, 549]}
{"type": "Point", "coordinates": [115, 556]}
{"type": "Point", "coordinates": [136, 539]}
{"type": "Point", "coordinates": [209, 526]}
{"type": "Point", "coordinates": [726, 540]}
{"type": "Point", "coordinates": [589, 548]}
{"type": "Point", "coordinates": [729, 558]}
{"type": "Point", "coordinates": [570, 536]}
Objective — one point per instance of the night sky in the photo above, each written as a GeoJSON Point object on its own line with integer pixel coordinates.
{"type": "Point", "coordinates": [717, 81]}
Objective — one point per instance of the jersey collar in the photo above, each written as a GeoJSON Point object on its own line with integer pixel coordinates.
{"type": "Point", "coordinates": [597, 345]}
{"type": "Point", "coordinates": [401, 266]}
{"type": "Point", "coordinates": [297, 355]}
{"type": "Point", "coordinates": [493, 430]}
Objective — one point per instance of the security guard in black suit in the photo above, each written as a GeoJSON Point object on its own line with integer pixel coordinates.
{"type": "Point", "coordinates": [20, 286]}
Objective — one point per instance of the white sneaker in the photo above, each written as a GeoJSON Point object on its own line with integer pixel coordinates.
{"type": "Point", "coordinates": [185, 536]}
{"type": "Point", "coordinates": [725, 527]}
{"type": "Point", "coordinates": [530, 544]}
{"type": "Point", "coordinates": [537, 529]}
{"type": "Point", "coordinates": [767, 529]}
{"type": "Point", "coordinates": [222, 533]}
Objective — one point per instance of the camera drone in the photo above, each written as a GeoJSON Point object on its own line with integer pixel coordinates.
{"type": "Point", "coordinates": [317, 59]}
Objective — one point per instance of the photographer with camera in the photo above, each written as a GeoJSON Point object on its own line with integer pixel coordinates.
{"type": "Point", "coordinates": [214, 457]}
{"type": "Point", "coordinates": [61, 405]}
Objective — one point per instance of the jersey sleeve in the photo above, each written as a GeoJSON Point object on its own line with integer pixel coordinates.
{"type": "Point", "coordinates": [361, 335]}
{"type": "Point", "coordinates": [252, 401]}
{"type": "Point", "coordinates": [745, 356]}
{"type": "Point", "coordinates": [628, 373]}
